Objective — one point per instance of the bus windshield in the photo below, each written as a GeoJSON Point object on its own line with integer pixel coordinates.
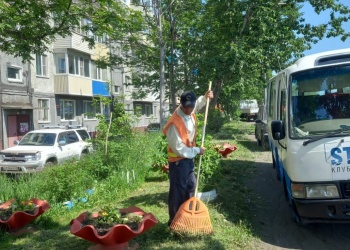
{"type": "Point", "coordinates": [320, 101]}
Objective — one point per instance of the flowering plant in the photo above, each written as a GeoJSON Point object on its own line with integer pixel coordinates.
{"type": "Point", "coordinates": [26, 206]}
{"type": "Point", "coordinates": [117, 235]}
{"type": "Point", "coordinates": [16, 213]}
{"type": "Point", "coordinates": [17, 206]}
{"type": "Point", "coordinates": [109, 216]}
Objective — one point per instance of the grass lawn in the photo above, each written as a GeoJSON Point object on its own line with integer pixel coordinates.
{"type": "Point", "coordinates": [229, 212]}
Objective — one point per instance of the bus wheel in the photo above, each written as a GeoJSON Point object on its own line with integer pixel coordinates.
{"type": "Point", "coordinates": [265, 144]}
{"type": "Point", "coordinates": [258, 142]}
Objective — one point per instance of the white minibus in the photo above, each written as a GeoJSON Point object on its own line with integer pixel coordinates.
{"type": "Point", "coordinates": [308, 116]}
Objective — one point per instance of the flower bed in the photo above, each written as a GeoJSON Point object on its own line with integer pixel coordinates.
{"type": "Point", "coordinates": [108, 217]}
{"type": "Point", "coordinates": [112, 234]}
{"type": "Point", "coordinates": [16, 214]}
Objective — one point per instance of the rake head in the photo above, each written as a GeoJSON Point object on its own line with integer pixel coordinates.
{"type": "Point", "coordinates": [192, 218]}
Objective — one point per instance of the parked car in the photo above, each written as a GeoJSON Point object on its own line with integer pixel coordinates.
{"type": "Point", "coordinates": [45, 147]}
{"type": "Point", "coordinates": [249, 109]}
{"type": "Point", "coordinates": [153, 127]}
{"type": "Point", "coordinates": [261, 134]}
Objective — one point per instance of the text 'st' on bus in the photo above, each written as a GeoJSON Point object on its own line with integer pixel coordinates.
{"type": "Point", "coordinates": [308, 109]}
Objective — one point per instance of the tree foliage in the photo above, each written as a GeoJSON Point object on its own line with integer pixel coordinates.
{"type": "Point", "coordinates": [235, 44]}
{"type": "Point", "coordinates": [29, 27]}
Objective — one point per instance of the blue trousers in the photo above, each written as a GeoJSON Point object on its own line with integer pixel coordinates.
{"type": "Point", "coordinates": [182, 185]}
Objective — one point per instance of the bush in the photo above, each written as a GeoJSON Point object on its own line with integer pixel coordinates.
{"type": "Point", "coordinates": [215, 120]}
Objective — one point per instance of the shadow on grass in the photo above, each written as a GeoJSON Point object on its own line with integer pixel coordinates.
{"type": "Point", "coordinates": [41, 236]}
{"type": "Point", "coordinates": [232, 200]}
{"type": "Point", "coordinates": [235, 199]}
{"type": "Point", "coordinates": [231, 131]}
{"type": "Point", "coordinates": [160, 234]}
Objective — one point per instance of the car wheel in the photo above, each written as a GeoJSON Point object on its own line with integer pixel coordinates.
{"type": "Point", "coordinates": [83, 155]}
{"type": "Point", "coordinates": [265, 144]}
{"type": "Point", "coordinates": [258, 141]}
{"type": "Point", "coordinates": [49, 164]}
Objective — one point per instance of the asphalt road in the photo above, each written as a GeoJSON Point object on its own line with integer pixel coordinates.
{"type": "Point", "coordinates": [273, 216]}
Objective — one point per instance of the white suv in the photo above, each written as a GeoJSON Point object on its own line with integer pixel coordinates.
{"type": "Point", "coordinates": [46, 147]}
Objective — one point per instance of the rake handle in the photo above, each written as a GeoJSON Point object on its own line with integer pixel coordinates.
{"type": "Point", "coordinates": [202, 144]}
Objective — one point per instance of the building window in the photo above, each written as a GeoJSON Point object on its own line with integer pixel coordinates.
{"type": "Point", "coordinates": [143, 108]}
{"type": "Point", "coordinates": [84, 27]}
{"type": "Point", "coordinates": [127, 82]}
{"type": "Point", "coordinates": [101, 39]}
{"type": "Point", "coordinates": [71, 64]}
{"type": "Point", "coordinates": [155, 111]}
{"type": "Point", "coordinates": [60, 63]}
{"type": "Point", "coordinates": [116, 89]}
{"type": "Point", "coordinates": [67, 108]}
{"type": "Point", "coordinates": [128, 109]}
{"type": "Point", "coordinates": [105, 110]}
{"type": "Point", "coordinates": [79, 65]}
{"type": "Point", "coordinates": [14, 74]}
{"type": "Point", "coordinates": [89, 110]}
{"type": "Point", "coordinates": [41, 65]}
{"type": "Point", "coordinates": [43, 111]}
{"type": "Point", "coordinates": [138, 109]}
{"type": "Point", "coordinates": [148, 110]}
{"type": "Point", "coordinates": [98, 73]}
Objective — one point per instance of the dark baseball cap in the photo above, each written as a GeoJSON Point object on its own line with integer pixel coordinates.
{"type": "Point", "coordinates": [188, 99]}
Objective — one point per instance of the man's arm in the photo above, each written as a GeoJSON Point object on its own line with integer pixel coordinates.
{"type": "Point", "coordinates": [176, 144]}
{"type": "Point", "coordinates": [202, 101]}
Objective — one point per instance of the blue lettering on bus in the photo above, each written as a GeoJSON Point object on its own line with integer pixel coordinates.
{"type": "Point", "coordinates": [337, 157]}
{"type": "Point", "coordinates": [347, 149]}
{"type": "Point", "coordinates": [335, 154]}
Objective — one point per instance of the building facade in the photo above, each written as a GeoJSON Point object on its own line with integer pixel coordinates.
{"type": "Point", "coordinates": [59, 89]}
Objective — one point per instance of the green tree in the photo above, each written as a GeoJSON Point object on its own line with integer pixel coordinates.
{"type": "Point", "coordinates": [28, 27]}
{"type": "Point", "coordinates": [235, 44]}
{"type": "Point", "coordinates": [238, 44]}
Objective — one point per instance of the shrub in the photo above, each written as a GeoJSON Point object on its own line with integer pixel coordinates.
{"type": "Point", "coordinates": [215, 120]}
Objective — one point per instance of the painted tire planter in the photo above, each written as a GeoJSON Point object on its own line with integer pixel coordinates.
{"type": "Point", "coordinates": [162, 167]}
{"type": "Point", "coordinates": [118, 236]}
{"type": "Point", "coordinates": [225, 149]}
{"type": "Point", "coordinates": [20, 219]}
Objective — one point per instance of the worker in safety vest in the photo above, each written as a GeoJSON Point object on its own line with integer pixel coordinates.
{"type": "Point", "coordinates": [180, 132]}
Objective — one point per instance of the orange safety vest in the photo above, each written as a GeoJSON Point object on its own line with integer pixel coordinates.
{"type": "Point", "coordinates": [177, 121]}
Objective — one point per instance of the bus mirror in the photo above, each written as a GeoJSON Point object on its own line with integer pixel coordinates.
{"type": "Point", "coordinates": [277, 130]}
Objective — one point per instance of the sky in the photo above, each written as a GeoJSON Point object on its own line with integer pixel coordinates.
{"type": "Point", "coordinates": [326, 43]}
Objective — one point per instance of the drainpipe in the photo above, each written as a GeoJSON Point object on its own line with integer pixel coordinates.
{"type": "Point", "coordinates": [30, 92]}
{"type": "Point", "coordinates": [29, 84]}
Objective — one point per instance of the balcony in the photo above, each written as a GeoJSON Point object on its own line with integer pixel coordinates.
{"type": "Point", "coordinates": [100, 88]}
{"type": "Point", "coordinates": [72, 42]}
{"type": "Point", "coordinates": [73, 85]}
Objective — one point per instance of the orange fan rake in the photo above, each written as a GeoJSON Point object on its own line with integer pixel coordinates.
{"type": "Point", "coordinates": [193, 216]}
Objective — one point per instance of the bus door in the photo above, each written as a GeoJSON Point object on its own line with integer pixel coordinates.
{"type": "Point", "coordinates": [281, 115]}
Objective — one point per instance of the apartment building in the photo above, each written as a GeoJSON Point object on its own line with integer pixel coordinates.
{"type": "Point", "coordinates": [58, 88]}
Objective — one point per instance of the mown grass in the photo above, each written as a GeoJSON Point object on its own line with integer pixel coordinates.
{"type": "Point", "coordinates": [230, 212]}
